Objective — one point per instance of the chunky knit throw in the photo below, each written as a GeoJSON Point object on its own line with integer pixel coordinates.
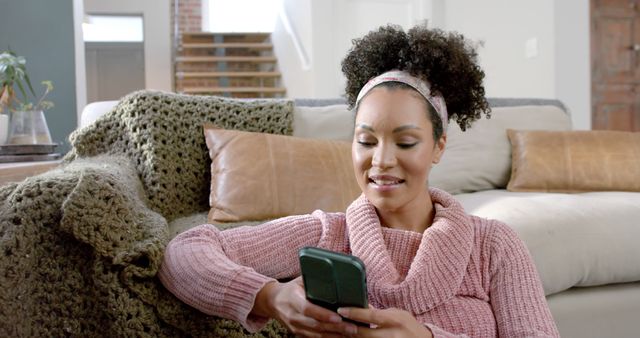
{"type": "Point", "coordinates": [162, 135]}
{"type": "Point", "coordinates": [80, 246]}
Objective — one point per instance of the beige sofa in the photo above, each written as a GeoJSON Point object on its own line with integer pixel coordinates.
{"type": "Point", "coordinates": [585, 245]}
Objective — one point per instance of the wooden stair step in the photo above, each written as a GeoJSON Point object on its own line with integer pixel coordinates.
{"type": "Point", "coordinates": [235, 36]}
{"type": "Point", "coordinates": [253, 59]}
{"type": "Point", "coordinates": [193, 90]}
{"type": "Point", "coordinates": [229, 45]}
{"type": "Point", "coordinates": [262, 34]}
{"type": "Point", "coordinates": [226, 74]}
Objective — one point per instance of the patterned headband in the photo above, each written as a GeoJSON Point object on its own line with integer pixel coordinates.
{"type": "Point", "coordinates": [423, 87]}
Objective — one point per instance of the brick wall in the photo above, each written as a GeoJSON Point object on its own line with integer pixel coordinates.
{"type": "Point", "coordinates": [189, 19]}
{"type": "Point", "coordinates": [189, 15]}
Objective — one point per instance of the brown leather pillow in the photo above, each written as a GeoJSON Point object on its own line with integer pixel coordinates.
{"type": "Point", "coordinates": [258, 176]}
{"type": "Point", "coordinates": [574, 161]}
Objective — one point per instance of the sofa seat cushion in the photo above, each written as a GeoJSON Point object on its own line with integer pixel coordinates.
{"type": "Point", "coordinates": [575, 239]}
{"type": "Point", "coordinates": [601, 311]}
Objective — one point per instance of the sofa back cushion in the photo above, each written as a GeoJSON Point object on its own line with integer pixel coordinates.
{"type": "Point", "coordinates": [574, 161]}
{"type": "Point", "coordinates": [333, 122]}
{"type": "Point", "coordinates": [480, 158]}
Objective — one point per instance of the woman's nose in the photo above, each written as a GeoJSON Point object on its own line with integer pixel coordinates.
{"type": "Point", "coordinates": [383, 157]}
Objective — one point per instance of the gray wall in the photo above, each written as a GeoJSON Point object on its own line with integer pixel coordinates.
{"type": "Point", "coordinates": [42, 32]}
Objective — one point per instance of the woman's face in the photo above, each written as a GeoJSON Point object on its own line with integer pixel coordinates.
{"type": "Point", "coordinates": [393, 148]}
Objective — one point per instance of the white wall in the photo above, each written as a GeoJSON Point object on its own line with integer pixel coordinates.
{"type": "Point", "coordinates": [157, 35]}
{"type": "Point", "coordinates": [505, 26]}
{"type": "Point", "coordinates": [557, 67]}
{"type": "Point", "coordinates": [294, 23]}
{"type": "Point", "coordinates": [561, 67]}
{"type": "Point", "coordinates": [573, 59]}
{"type": "Point", "coordinates": [355, 18]}
{"type": "Point", "coordinates": [325, 29]}
{"type": "Point", "coordinates": [326, 34]}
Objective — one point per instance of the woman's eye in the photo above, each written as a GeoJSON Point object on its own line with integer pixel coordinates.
{"type": "Point", "coordinates": [406, 145]}
{"type": "Point", "coordinates": [366, 144]}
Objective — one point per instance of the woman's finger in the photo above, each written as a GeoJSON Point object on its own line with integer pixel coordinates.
{"type": "Point", "coordinates": [370, 333]}
{"type": "Point", "coordinates": [370, 315]}
{"type": "Point", "coordinates": [333, 335]}
{"type": "Point", "coordinates": [308, 324]}
{"type": "Point", "coordinates": [304, 333]}
{"type": "Point", "coordinates": [335, 324]}
{"type": "Point", "coordinates": [304, 306]}
{"type": "Point", "coordinates": [319, 313]}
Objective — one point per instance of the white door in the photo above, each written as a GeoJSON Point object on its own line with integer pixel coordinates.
{"type": "Point", "coordinates": [114, 55]}
{"type": "Point", "coordinates": [114, 69]}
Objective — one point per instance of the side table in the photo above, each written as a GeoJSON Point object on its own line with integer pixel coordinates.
{"type": "Point", "coordinates": [18, 171]}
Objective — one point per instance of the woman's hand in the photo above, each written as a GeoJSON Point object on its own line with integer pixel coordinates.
{"type": "Point", "coordinates": [287, 303]}
{"type": "Point", "coordinates": [386, 323]}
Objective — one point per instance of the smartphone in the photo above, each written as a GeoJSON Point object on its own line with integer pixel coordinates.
{"type": "Point", "coordinates": [333, 279]}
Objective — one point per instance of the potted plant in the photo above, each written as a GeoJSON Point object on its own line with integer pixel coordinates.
{"type": "Point", "coordinates": [27, 122]}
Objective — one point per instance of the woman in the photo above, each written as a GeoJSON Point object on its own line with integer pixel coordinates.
{"type": "Point", "coordinates": [432, 269]}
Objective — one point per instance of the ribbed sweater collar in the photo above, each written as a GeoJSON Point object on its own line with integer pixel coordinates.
{"type": "Point", "coordinates": [438, 267]}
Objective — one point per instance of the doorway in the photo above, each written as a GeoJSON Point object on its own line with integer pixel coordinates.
{"type": "Point", "coordinates": [114, 56]}
{"type": "Point", "coordinates": [615, 64]}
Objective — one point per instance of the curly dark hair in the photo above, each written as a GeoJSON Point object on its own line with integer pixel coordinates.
{"type": "Point", "coordinates": [445, 59]}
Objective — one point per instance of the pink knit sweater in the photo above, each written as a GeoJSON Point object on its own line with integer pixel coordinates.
{"type": "Point", "coordinates": [464, 276]}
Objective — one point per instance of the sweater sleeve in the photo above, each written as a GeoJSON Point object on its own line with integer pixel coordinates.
{"type": "Point", "coordinates": [221, 272]}
{"type": "Point", "coordinates": [516, 293]}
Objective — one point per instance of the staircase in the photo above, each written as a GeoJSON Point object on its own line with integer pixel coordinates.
{"type": "Point", "coordinates": [227, 64]}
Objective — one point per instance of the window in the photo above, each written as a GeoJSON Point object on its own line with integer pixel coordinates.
{"type": "Point", "coordinates": [239, 15]}
{"type": "Point", "coordinates": [112, 28]}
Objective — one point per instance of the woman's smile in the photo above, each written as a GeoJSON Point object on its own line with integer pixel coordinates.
{"type": "Point", "coordinates": [385, 183]}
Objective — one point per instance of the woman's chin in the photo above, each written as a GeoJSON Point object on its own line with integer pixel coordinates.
{"type": "Point", "coordinates": [396, 198]}
{"type": "Point", "coordinates": [383, 201]}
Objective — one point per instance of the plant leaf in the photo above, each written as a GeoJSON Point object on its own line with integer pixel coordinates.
{"type": "Point", "coordinates": [21, 87]}
{"type": "Point", "coordinates": [46, 105]}
{"type": "Point", "coordinates": [26, 77]}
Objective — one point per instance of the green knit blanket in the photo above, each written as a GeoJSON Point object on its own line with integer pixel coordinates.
{"type": "Point", "coordinates": [162, 135]}
{"type": "Point", "coordinates": [81, 244]}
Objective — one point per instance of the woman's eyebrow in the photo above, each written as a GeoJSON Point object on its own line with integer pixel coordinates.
{"type": "Point", "coordinates": [405, 127]}
{"type": "Point", "coordinates": [366, 127]}
{"type": "Point", "coordinates": [396, 130]}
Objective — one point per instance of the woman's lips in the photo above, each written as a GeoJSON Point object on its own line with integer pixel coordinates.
{"type": "Point", "coordinates": [385, 182]}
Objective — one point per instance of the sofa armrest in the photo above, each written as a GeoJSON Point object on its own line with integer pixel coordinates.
{"type": "Point", "coordinates": [94, 110]}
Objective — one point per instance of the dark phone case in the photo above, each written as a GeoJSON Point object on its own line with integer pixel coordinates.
{"type": "Point", "coordinates": [333, 279]}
